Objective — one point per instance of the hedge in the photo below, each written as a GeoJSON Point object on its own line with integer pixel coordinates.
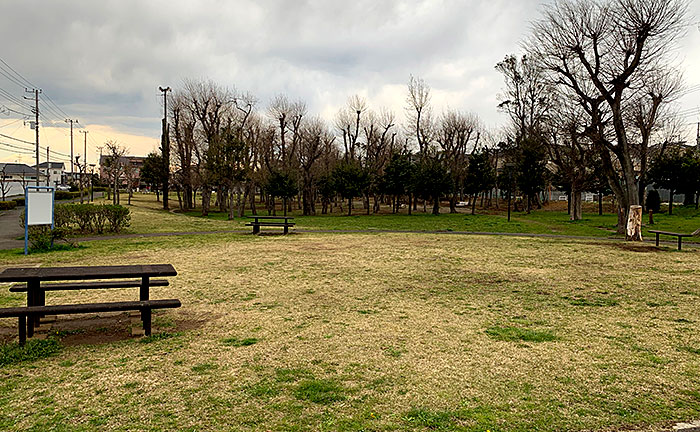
{"type": "Point", "coordinates": [19, 201]}
{"type": "Point", "coordinates": [89, 218]}
{"type": "Point", "coordinates": [7, 205]}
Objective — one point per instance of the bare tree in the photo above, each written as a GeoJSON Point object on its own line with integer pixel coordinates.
{"type": "Point", "coordinates": [458, 136]}
{"type": "Point", "coordinates": [114, 165]}
{"type": "Point", "coordinates": [418, 113]}
{"type": "Point", "coordinates": [4, 183]}
{"type": "Point", "coordinates": [600, 52]}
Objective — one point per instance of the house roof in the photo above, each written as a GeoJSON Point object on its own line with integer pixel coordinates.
{"type": "Point", "coordinates": [53, 165]}
{"type": "Point", "coordinates": [17, 168]}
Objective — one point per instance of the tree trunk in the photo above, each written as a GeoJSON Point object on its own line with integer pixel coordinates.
{"type": "Point", "coordinates": [206, 200]}
{"type": "Point", "coordinates": [651, 217]}
{"type": "Point", "coordinates": [634, 223]}
{"type": "Point", "coordinates": [436, 205]}
{"type": "Point", "coordinates": [349, 206]}
{"type": "Point", "coordinates": [230, 204]}
{"type": "Point", "coordinates": [670, 202]}
{"type": "Point", "coordinates": [453, 204]}
{"type": "Point", "coordinates": [410, 198]}
{"type": "Point", "coordinates": [600, 203]}
{"type": "Point", "coordinates": [473, 198]}
{"type": "Point", "coordinates": [575, 204]}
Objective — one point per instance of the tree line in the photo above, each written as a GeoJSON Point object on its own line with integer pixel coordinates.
{"type": "Point", "coordinates": [590, 108]}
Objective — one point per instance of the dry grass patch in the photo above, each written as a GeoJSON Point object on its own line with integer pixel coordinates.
{"type": "Point", "coordinates": [383, 332]}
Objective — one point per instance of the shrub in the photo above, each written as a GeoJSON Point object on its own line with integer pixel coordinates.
{"type": "Point", "coordinates": [653, 201]}
{"type": "Point", "coordinates": [118, 217]}
{"type": "Point", "coordinates": [87, 218]}
{"type": "Point", "coordinates": [82, 215]}
{"type": "Point", "coordinates": [7, 205]}
{"type": "Point", "coordinates": [19, 201]}
{"type": "Point", "coordinates": [42, 237]}
{"type": "Point", "coordinates": [62, 195]}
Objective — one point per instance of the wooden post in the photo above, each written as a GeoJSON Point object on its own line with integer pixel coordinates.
{"type": "Point", "coordinates": [634, 223]}
{"type": "Point", "coordinates": [145, 313]}
{"type": "Point", "coordinates": [651, 217]}
{"type": "Point", "coordinates": [22, 326]}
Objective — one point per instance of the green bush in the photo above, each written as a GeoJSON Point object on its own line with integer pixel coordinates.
{"type": "Point", "coordinates": [19, 201]}
{"type": "Point", "coordinates": [118, 217]}
{"type": "Point", "coordinates": [7, 205]}
{"type": "Point", "coordinates": [87, 219]}
{"type": "Point", "coordinates": [42, 237]}
{"type": "Point", "coordinates": [62, 195]}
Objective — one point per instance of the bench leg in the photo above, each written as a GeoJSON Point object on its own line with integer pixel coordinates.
{"type": "Point", "coordinates": [32, 293]}
{"type": "Point", "coordinates": [680, 239]}
{"type": "Point", "coordinates": [22, 325]}
{"type": "Point", "coordinates": [256, 229]}
{"type": "Point", "coordinates": [286, 229]}
{"type": "Point", "coordinates": [146, 317]}
{"type": "Point", "coordinates": [657, 239]}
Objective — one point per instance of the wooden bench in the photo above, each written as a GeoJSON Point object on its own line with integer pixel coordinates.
{"type": "Point", "coordinates": [271, 221]}
{"type": "Point", "coordinates": [24, 312]}
{"type": "Point", "coordinates": [101, 277]}
{"type": "Point", "coordinates": [673, 234]}
{"type": "Point", "coordinates": [66, 286]}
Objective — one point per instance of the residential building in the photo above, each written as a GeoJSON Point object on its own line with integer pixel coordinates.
{"type": "Point", "coordinates": [54, 171]}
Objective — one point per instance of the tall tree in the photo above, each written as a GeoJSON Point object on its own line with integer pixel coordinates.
{"type": "Point", "coordinates": [600, 52]}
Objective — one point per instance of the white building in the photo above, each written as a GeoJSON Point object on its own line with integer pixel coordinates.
{"type": "Point", "coordinates": [54, 171]}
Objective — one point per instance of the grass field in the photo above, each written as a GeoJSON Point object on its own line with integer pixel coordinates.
{"type": "Point", "coordinates": [373, 332]}
{"type": "Point", "coordinates": [147, 217]}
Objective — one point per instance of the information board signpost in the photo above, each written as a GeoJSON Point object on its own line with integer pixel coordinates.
{"type": "Point", "coordinates": [38, 210]}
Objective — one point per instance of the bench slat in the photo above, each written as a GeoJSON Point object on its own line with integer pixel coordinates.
{"type": "Point", "coordinates": [89, 308]}
{"type": "Point", "coordinates": [91, 285]}
{"type": "Point", "coordinates": [671, 233]}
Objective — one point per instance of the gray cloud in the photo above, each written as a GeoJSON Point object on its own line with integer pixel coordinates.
{"type": "Point", "coordinates": [103, 61]}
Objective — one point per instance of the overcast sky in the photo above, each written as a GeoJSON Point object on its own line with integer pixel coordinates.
{"type": "Point", "coordinates": [101, 62]}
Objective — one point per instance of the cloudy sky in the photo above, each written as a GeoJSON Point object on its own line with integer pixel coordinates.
{"type": "Point", "coordinates": [101, 62]}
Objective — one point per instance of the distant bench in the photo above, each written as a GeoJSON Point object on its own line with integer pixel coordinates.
{"type": "Point", "coordinates": [674, 234]}
{"type": "Point", "coordinates": [271, 221]}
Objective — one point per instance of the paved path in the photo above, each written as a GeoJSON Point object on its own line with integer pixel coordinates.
{"type": "Point", "coordinates": [10, 229]}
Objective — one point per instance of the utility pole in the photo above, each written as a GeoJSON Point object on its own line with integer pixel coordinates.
{"type": "Point", "coordinates": [71, 144]}
{"type": "Point", "coordinates": [165, 147]}
{"type": "Point", "coordinates": [48, 168]}
{"type": "Point", "coordinates": [36, 126]}
{"type": "Point", "coordinates": [84, 132]}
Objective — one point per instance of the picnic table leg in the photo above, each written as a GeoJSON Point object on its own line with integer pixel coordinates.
{"type": "Point", "coordinates": [146, 317]}
{"type": "Point", "coordinates": [657, 239]}
{"type": "Point", "coordinates": [256, 229]}
{"type": "Point", "coordinates": [680, 239]}
{"type": "Point", "coordinates": [32, 293]}
{"type": "Point", "coordinates": [286, 229]}
{"type": "Point", "coordinates": [22, 326]}
{"type": "Point", "coordinates": [143, 296]}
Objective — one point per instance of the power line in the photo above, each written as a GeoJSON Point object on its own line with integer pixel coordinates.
{"type": "Point", "coordinates": [17, 73]}
{"type": "Point", "coordinates": [16, 139]}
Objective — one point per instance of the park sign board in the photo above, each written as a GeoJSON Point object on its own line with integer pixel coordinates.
{"type": "Point", "coordinates": [38, 210]}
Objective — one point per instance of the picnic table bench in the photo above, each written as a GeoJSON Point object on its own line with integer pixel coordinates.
{"type": "Point", "coordinates": [32, 282]}
{"type": "Point", "coordinates": [272, 221]}
{"type": "Point", "coordinates": [674, 234]}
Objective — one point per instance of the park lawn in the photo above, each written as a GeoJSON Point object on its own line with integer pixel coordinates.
{"type": "Point", "coordinates": [378, 332]}
{"type": "Point", "coordinates": [148, 217]}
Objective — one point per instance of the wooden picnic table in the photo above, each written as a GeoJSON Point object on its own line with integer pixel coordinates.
{"type": "Point", "coordinates": [34, 278]}
{"type": "Point", "coordinates": [270, 221]}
